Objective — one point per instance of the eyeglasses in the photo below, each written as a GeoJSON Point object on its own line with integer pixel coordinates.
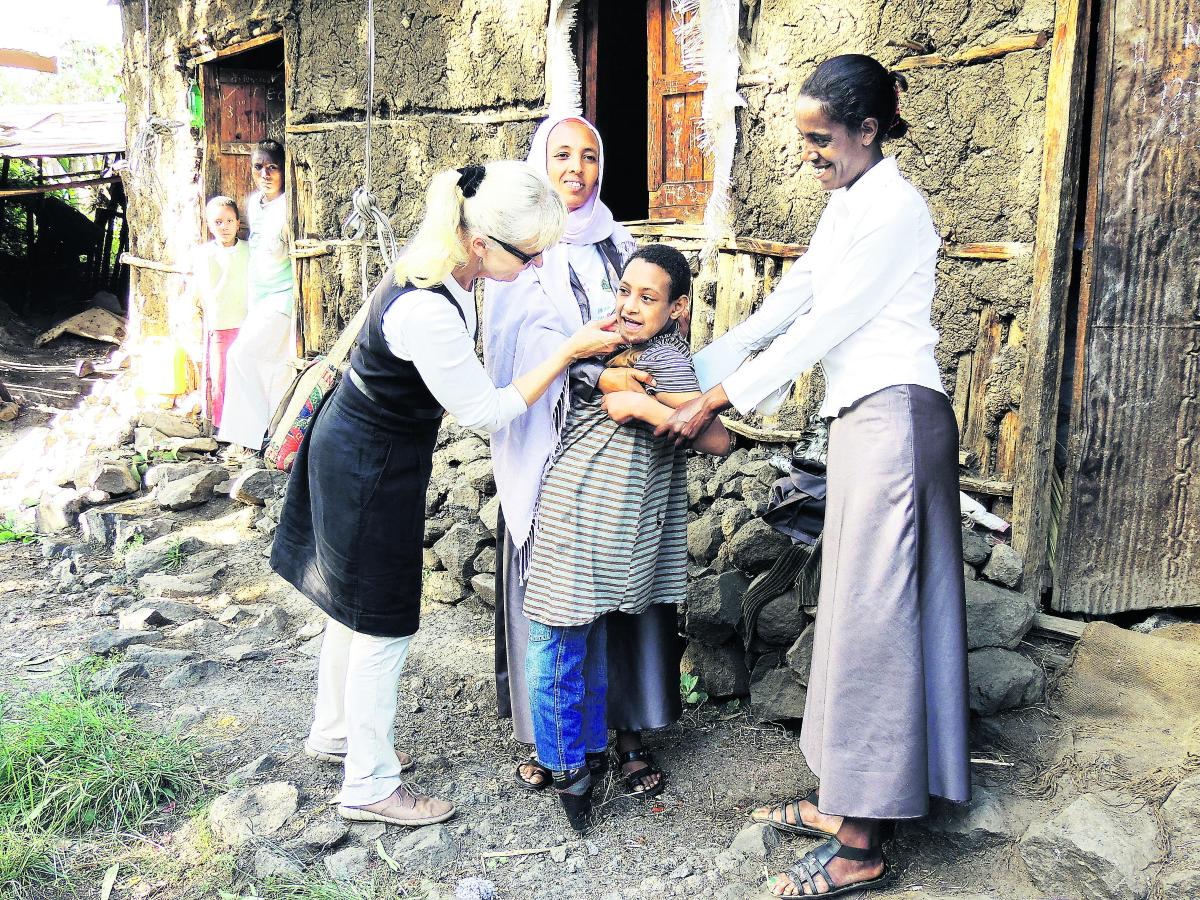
{"type": "Point", "coordinates": [524, 257]}
{"type": "Point", "coordinates": [268, 168]}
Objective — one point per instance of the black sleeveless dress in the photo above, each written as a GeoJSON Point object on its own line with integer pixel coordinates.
{"type": "Point", "coordinates": [351, 533]}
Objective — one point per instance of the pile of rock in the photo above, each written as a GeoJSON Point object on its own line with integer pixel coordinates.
{"type": "Point", "coordinates": [728, 545]}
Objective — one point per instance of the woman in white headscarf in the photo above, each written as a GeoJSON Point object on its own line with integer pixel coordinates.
{"type": "Point", "coordinates": [576, 283]}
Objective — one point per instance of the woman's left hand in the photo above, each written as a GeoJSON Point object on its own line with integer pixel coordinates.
{"type": "Point", "coordinates": [594, 338]}
{"type": "Point", "coordinates": [622, 406]}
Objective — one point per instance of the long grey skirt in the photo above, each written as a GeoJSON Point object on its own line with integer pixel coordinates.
{"type": "Point", "coordinates": [643, 657]}
{"type": "Point", "coordinates": [885, 723]}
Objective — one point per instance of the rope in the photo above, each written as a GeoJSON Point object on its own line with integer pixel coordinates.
{"type": "Point", "coordinates": [144, 149]}
{"type": "Point", "coordinates": [364, 209]}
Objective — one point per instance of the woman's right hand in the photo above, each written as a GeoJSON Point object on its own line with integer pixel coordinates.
{"type": "Point", "coordinates": [594, 339]}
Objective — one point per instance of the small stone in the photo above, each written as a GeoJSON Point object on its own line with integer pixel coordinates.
{"type": "Point", "coordinates": [478, 473]}
{"type": "Point", "coordinates": [463, 496]}
{"type": "Point", "coordinates": [714, 606]}
{"type": "Point", "coordinates": [430, 561]}
{"type": "Point", "coordinates": [117, 678]}
{"type": "Point", "coordinates": [799, 655]}
{"type": "Point", "coordinates": [191, 490]}
{"type": "Point", "coordinates": [244, 653]}
{"type": "Point", "coordinates": [704, 536]}
{"type": "Point", "coordinates": [442, 587]}
{"type": "Point", "coordinates": [112, 641]}
{"type": "Point", "coordinates": [168, 424]}
{"type": "Point", "coordinates": [1005, 566]}
{"type": "Point", "coordinates": [459, 547]}
{"type": "Point", "coordinates": [1181, 811]}
{"type": "Point", "coordinates": [485, 562]}
{"type": "Point", "coordinates": [431, 848]}
{"type": "Point", "coordinates": [268, 864]}
{"type": "Point", "coordinates": [558, 854]}
{"type": "Point", "coordinates": [310, 630]}
{"type": "Point", "coordinates": [140, 619]}
{"type": "Point", "coordinates": [733, 519]}
{"type": "Point", "coordinates": [781, 620]}
{"type": "Point", "coordinates": [109, 477]}
{"type": "Point", "coordinates": [757, 546]}
{"type": "Point", "coordinates": [254, 487]}
{"type": "Point", "coordinates": [1001, 679]}
{"type": "Point", "coordinates": [1093, 849]}
{"type": "Point", "coordinates": [991, 816]}
{"type": "Point", "coordinates": [322, 835]}
{"type": "Point", "coordinates": [368, 832]}
{"type": "Point", "coordinates": [174, 587]}
{"type": "Point", "coordinates": [199, 631]}
{"type": "Point", "coordinates": [58, 510]}
{"type": "Point", "coordinates": [485, 588]}
{"type": "Point", "coordinates": [683, 870]}
{"type": "Point", "coordinates": [159, 611]}
{"type": "Point", "coordinates": [778, 696]}
{"type": "Point", "coordinates": [258, 766]}
{"type": "Point", "coordinates": [996, 617]}
{"type": "Point", "coordinates": [235, 615]}
{"type": "Point", "coordinates": [166, 472]}
{"type": "Point", "coordinates": [160, 658]}
{"type": "Point", "coordinates": [976, 547]}
{"type": "Point", "coordinates": [489, 515]}
{"type": "Point", "coordinates": [756, 840]}
{"type": "Point", "coordinates": [271, 619]}
{"type": "Point", "coordinates": [722, 670]}
{"type": "Point", "coordinates": [249, 812]}
{"type": "Point", "coordinates": [191, 674]}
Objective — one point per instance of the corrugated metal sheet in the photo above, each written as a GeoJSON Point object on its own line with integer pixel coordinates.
{"type": "Point", "coordinates": [67, 129]}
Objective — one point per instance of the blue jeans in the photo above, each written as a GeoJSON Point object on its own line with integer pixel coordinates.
{"type": "Point", "coordinates": [566, 670]}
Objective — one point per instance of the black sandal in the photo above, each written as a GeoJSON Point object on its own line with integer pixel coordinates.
{"type": "Point", "coordinates": [633, 780]}
{"type": "Point", "coordinates": [543, 775]}
{"type": "Point", "coordinates": [574, 788]}
{"type": "Point", "coordinates": [793, 806]}
{"type": "Point", "coordinates": [813, 863]}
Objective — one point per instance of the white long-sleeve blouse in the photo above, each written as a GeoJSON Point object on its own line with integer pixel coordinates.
{"type": "Point", "coordinates": [423, 328]}
{"type": "Point", "coordinates": [858, 301]}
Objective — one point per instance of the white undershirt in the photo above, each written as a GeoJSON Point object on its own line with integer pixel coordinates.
{"type": "Point", "coordinates": [589, 265]}
{"type": "Point", "coordinates": [424, 328]}
{"type": "Point", "coordinates": [858, 302]}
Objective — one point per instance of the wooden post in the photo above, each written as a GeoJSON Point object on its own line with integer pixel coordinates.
{"type": "Point", "coordinates": [1057, 204]}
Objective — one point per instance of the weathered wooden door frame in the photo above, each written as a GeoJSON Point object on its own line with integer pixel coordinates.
{"type": "Point", "coordinates": [1058, 207]}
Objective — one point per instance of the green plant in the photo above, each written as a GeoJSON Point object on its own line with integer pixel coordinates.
{"type": "Point", "coordinates": [14, 532]}
{"type": "Point", "coordinates": [689, 689]}
{"type": "Point", "coordinates": [122, 550]}
{"type": "Point", "coordinates": [298, 887]}
{"type": "Point", "coordinates": [70, 761]}
{"type": "Point", "coordinates": [175, 556]}
{"type": "Point", "coordinates": [27, 864]}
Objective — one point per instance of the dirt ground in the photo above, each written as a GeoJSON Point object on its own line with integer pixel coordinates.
{"type": "Point", "coordinates": [719, 762]}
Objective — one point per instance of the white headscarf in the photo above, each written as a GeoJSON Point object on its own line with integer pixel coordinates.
{"type": "Point", "coordinates": [524, 322]}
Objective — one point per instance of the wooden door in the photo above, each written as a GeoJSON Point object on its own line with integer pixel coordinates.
{"type": "Point", "coordinates": [679, 172]}
{"type": "Point", "coordinates": [241, 107]}
{"type": "Point", "coordinates": [1130, 534]}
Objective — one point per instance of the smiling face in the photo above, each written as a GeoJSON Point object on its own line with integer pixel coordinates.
{"type": "Point", "coordinates": [644, 302]}
{"type": "Point", "coordinates": [839, 155]}
{"type": "Point", "coordinates": [573, 162]}
{"type": "Point", "coordinates": [223, 223]}
{"type": "Point", "coordinates": [268, 174]}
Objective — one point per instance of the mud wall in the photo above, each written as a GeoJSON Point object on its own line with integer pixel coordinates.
{"type": "Point", "coordinates": [455, 82]}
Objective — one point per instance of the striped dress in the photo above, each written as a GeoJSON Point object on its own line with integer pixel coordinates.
{"type": "Point", "coordinates": [612, 513]}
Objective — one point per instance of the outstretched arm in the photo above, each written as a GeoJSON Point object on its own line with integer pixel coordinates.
{"type": "Point", "coordinates": [631, 406]}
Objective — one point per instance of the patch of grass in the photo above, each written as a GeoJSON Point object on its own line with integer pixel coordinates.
{"type": "Point", "coordinates": [175, 556]}
{"type": "Point", "coordinates": [298, 887]}
{"type": "Point", "coordinates": [690, 691]}
{"type": "Point", "coordinates": [14, 532]}
{"type": "Point", "coordinates": [27, 864]}
{"type": "Point", "coordinates": [70, 761]}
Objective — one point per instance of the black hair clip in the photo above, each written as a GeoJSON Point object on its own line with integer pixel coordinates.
{"type": "Point", "coordinates": [470, 177]}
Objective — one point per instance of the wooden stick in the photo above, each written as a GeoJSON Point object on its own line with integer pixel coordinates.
{"type": "Point", "coordinates": [60, 186]}
{"type": "Point", "coordinates": [1071, 629]}
{"type": "Point", "coordinates": [496, 118]}
{"type": "Point", "coordinates": [989, 250]}
{"type": "Point", "coordinates": [765, 435]}
{"type": "Point", "coordinates": [240, 47]}
{"type": "Point", "coordinates": [1034, 40]}
{"type": "Point", "coordinates": [995, 488]}
{"type": "Point", "coordinates": [532, 851]}
{"type": "Point", "coordinates": [138, 263]}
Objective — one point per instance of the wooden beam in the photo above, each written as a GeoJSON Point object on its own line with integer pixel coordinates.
{"type": "Point", "coordinates": [24, 59]}
{"type": "Point", "coordinates": [138, 263]}
{"type": "Point", "coordinates": [1033, 40]}
{"type": "Point", "coordinates": [1057, 626]}
{"type": "Point", "coordinates": [60, 186]}
{"type": "Point", "coordinates": [485, 118]}
{"type": "Point", "coordinates": [991, 487]}
{"type": "Point", "coordinates": [1000, 250]}
{"type": "Point", "coordinates": [1053, 243]}
{"type": "Point", "coordinates": [234, 49]}
{"type": "Point", "coordinates": [765, 435]}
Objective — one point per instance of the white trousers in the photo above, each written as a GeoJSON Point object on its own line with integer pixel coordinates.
{"type": "Point", "coordinates": [356, 710]}
{"type": "Point", "coordinates": [258, 372]}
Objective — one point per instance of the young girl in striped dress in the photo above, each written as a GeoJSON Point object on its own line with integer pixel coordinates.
{"type": "Point", "coordinates": [612, 525]}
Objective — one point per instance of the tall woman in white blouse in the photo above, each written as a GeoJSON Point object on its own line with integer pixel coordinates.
{"type": "Point", "coordinates": [885, 725]}
{"type": "Point", "coordinates": [350, 536]}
